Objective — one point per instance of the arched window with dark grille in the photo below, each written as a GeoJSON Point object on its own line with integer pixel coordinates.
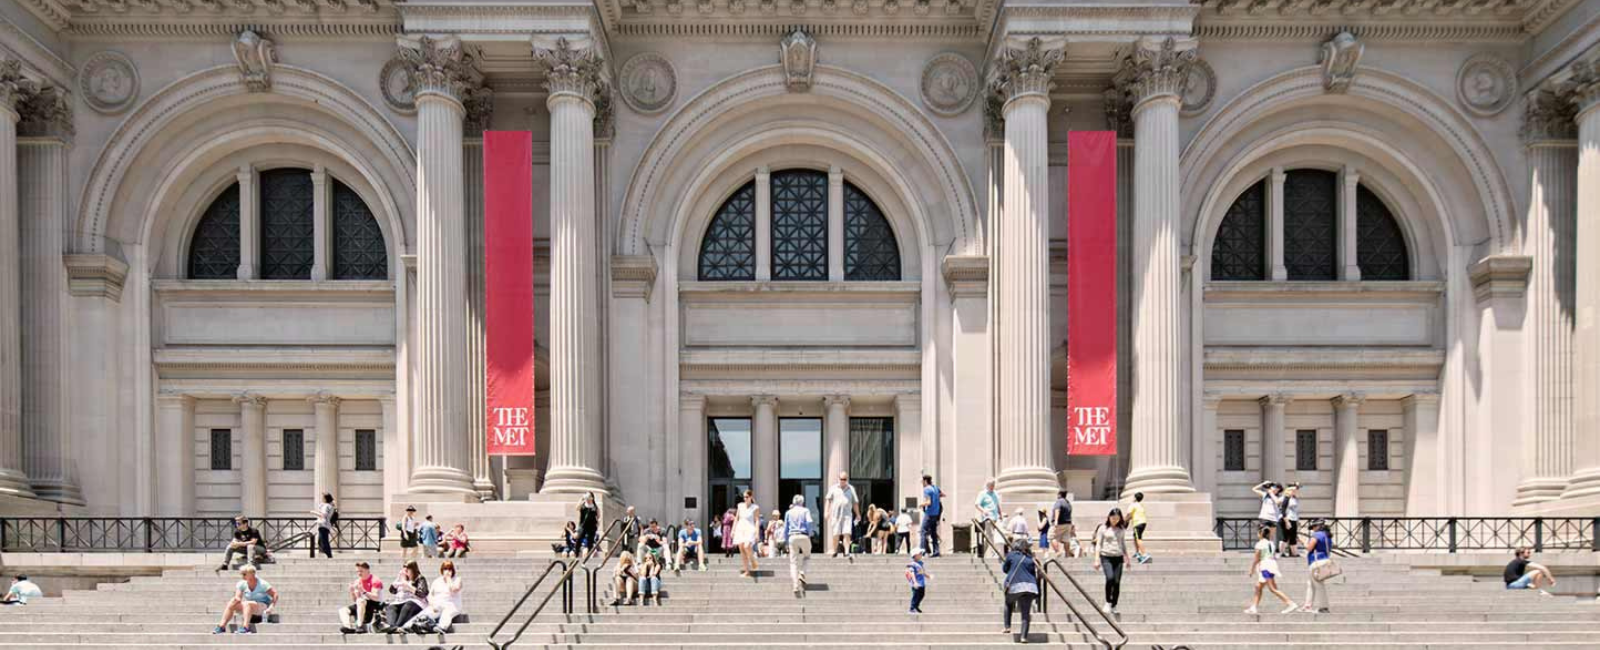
{"type": "Point", "coordinates": [1240, 250]}
{"type": "Point", "coordinates": [214, 248]}
{"type": "Point", "coordinates": [1380, 246]}
{"type": "Point", "coordinates": [870, 249]}
{"type": "Point", "coordinates": [286, 224]}
{"type": "Point", "coordinates": [799, 225]}
{"type": "Point", "coordinates": [728, 251]}
{"type": "Point", "coordinates": [1310, 224]}
{"type": "Point", "coordinates": [358, 250]}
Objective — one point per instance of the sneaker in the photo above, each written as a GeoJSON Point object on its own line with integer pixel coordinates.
{"type": "Point", "coordinates": [448, 630]}
{"type": "Point", "coordinates": [245, 630]}
{"type": "Point", "coordinates": [219, 630]}
{"type": "Point", "coordinates": [1545, 593]}
{"type": "Point", "coordinates": [1290, 609]}
{"type": "Point", "coordinates": [347, 630]}
{"type": "Point", "coordinates": [1252, 610]}
{"type": "Point", "coordinates": [1022, 640]}
{"type": "Point", "coordinates": [1324, 611]}
{"type": "Point", "coordinates": [702, 568]}
{"type": "Point", "coordinates": [1106, 608]}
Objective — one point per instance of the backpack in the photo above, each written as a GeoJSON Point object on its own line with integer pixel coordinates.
{"type": "Point", "coordinates": [333, 519]}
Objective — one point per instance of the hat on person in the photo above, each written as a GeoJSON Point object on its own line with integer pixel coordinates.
{"type": "Point", "coordinates": [916, 553]}
{"type": "Point", "coordinates": [411, 508]}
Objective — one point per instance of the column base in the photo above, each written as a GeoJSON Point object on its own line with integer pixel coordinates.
{"type": "Point", "coordinates": [1539, 490]}
{"type": "Point", "coordinates": [573, 480]}
{"type": "Point", "coordinates": [1585, 483]}
{"type": "Point", "coordinates": [1157, 480]}
{"type": "Point", "coordinates": [485, 488]}
{"type": "Point", "coordinates": [59, 492]}
{"type": "Point", "coordinates": [442, 481]}
{"type": "Point", "coordinates": [15, 483]}
{"type": "Point", "coordinates": [1027, 485]}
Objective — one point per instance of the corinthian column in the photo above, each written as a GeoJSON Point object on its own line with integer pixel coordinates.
{"type": "Point", "coordinates": [12, 479]}
{"type": "Point", "coordinates": [1548, 131]}
{"type": "Point", "coordinates": [253, 476]}
{"type": "Point", "coordinates": [1586, 480]}
{"type": "Point", "coordinates": [575, 78]}
{"type": "Point", "coordinates": [1022, 273]}
{"type": "Point", "coordinates": [325, 474]}
{"type": "Point", "coordinates": [1154, 76]}
{"type": "Point", "coordinates": [441, 74]}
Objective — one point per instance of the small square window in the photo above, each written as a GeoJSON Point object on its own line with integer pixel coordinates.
{"type": "Point", "coordinates": [1305, 450]}
{"type": "Point", "coordinates": [221, 449]}
{"type": "Point", "coordinates": [1233, 450]}
{"type": "Point", "coordinates": [366, 450]}
{"type": "Point", "coordinates": [294, 450]}
{"type": "Point", "coordinates": [1378, 450]}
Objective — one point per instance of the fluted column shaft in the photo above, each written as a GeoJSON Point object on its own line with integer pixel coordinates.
{"type": "Point", "coordinates": [253, 420]}
{"type": "Point", "coordinates": [1346, 456]}
{"type": "Point", "coordinates": [1552, 225]}
{"type": "Point", "coordinates": [1159, 461]}
{"type": "Point", "coordinates": [325, 475]}
{"type": "Point", "coordinates": [1022, 279]}
{"type": "Point", "coordinates": [1586, 480]}
{"type": "Point", "coordinates": [575, 442]}
{"type": "Point", "coordinates": [12, 479]}
{"type": "Point", "coordinates": [477, 379]}
{"type": "Point", "coordinates": [764, 451]}
{"type": "Point", "coordinates": [46, 440]}
{"type": "Point", "coordinates": [440, 443]}
{"type": "Point", "coordinates": [836, 442]}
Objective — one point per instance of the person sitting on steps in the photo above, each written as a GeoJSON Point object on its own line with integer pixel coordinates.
{"type": "Point", "coordinates": [625, 580]}
{"type": "Point", "coordinates": [247, 542]}
{"type": "Point", "coordinates": [408, 594]}
{"type": "Point", "coordinates": [366, 594]}
{"type": "Point", "coordinates": [1523, 574]}
{"type": "Point", "coordinates": [444, 603]}
{"type": "Point", "coordinates": [253, 600]}
{"type": "Point", "coordinates": [690, 545]}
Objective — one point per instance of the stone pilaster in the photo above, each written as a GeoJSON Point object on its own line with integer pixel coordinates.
{"type": "Point", "coordinates": [441, 74]}
{"type": "Point", "coordinates": [575, 78]}
{"type": "Point", "coordinates": [1349, 267]}
{"type": "Point", "coordinates": [692, 458]}
{"type": "Point", "coordinates": [764, 451]}
{"type": "Point", "coordinates": [1022, 275]}
{"type": "Point", "coordinates": [325, 473]}
{"type": "Point", "coordinates": [12, 479]}
{"type": "Point", "coordinates": [1154, 77]}
{"type": "Point", "coordinates": [1586, 336]}
{"type": "Point", "coordinates": [253, 474]}
{"type": "Point", "coordinates": [1548, 132]}
{"type": "Point", "coordinates": [175, 444]}
{"type": "Point", "coordinates": [1347, 455]}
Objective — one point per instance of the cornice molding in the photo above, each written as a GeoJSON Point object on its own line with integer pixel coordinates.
{"type": "Point", "coordinates": [1500, 276]}
{"type": "Point", "coordinates": [1340, 358]}
{"type": "Point", "coordinates": [1385, 9]}
{"type": "Point", "coordinates": [24, 46]}
{"type": "Point", "coordinates": [832, 30]}
{"type": "Point", "coordinates": [375, 29]}
{"type": "Point", "coordinates": [191, 18]}
{"type": "Point", "coordinates": [1418, 32]}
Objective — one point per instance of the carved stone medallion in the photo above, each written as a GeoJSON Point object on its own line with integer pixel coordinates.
{"type": "Point", "coordinates": [949, 84]}
{"type": "Point", "coordinates": [648, 83]}
{"type": "Point", "coordinates": [398, 90]}
{"type": "Point", "coordinates": [108, 81]}
{"type": "Point", "coordinates": [1486, 84]}
{"type": "Point", "coordinates": [1199, 88]}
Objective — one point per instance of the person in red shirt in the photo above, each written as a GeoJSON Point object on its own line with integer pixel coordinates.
{"type": "Point", "coordinates": [366, 595]}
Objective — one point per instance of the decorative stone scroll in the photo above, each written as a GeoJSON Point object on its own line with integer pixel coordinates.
{"type": "Point", "coordinates": [108, 81]}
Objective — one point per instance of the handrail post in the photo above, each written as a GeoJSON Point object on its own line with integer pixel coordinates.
{"type": "Point", "coordinates": [1538, 534]}
{"type": "Point", "coordinates": [149, 535]}
{"type": "Point", "coordinates": [1452, 525]}
{"type": "Point", "coordinates": [1594, 535]}
{"type": "Point", "coordinates": [61, 534]}
{"type": "Point", "coordinates": [1366, 534]}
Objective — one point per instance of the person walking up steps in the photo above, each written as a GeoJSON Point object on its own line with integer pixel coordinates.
{"type": "Point", "coordinates": [902, 531]}
{"type": "Point", "coordinates": [1063, 536]}
{"type": "Point", "coordinates": [1136, 519]}
{"type": "Point", "coordinates": [798, 526]}
{"type": "Point", "coordinates": [844, 506]}
{"type": "Point", "coordinates": [1110, 549]}
{"type": "Point", "coordinates": [1022, 586]}
{"type": "Point", "coordinates": [917, 576]}
{"type": "Point", "coordinates": [1265, 570]}
{"type": "Point", "coordinates": [932, 509]}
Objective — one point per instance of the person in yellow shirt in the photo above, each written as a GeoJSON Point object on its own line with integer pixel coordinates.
{"type": "Point", "coordinates": [1136, 519]}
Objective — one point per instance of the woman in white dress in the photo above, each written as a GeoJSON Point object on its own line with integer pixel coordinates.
{"type": "Point", "coordinates": [747, 532]}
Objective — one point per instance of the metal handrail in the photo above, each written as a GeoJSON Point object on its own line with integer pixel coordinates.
{"type": "Point", "coordinates": [296, 539]}
{"type": "Point", "coordinates": [566, 602]}
{"type": "Point", "coordinates": [593, 573]}
{"type": "Point", "coordinates": [169, 534]}
{"type": "Point", "coordinates": [1085, 593]}
{"type": "Point", "coordinates": [1446, 534]}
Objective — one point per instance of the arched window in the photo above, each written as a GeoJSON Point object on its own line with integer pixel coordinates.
{"type": "Point", "coordinates": [799, 225]}
{"type": "Point", "coordinates": [1380, 246]}
{"type": "Point", "coordinates": [358, 251]}
{"type": "Point", "coordinates": [286, 224]}
{"type": "Point", "coordinates": [1240, 250]}
{"type": "Point", "coordinates": [729, 249]}
{"type": "Point", "coordinates": [1310, 224]}
{"type": "Point", "coordinates": [870, 250]}
{"type": "Point", "coordinates": [214, 248]}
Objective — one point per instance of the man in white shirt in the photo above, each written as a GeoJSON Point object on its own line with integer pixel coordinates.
{"type": "Point", "coordinates": [989, 518]}
{"type": "Point", "coordinates": [843, 508]}
{"type": "Point", "coordinates": [22, 590]}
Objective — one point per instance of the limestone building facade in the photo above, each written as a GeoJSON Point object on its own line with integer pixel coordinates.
{"type": "Point", "coordinates": [777, 239]}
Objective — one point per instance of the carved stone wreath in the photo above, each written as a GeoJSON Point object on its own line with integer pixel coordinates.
{"type": "Point", "coordinates": [398, 92]}
{"type": "Point", "coordinates": [648, 82]}
{"type": "Point", "coordinates": [1199, 88]}
{"type": "Point", "coordinates": [949, 84]}
{"type": "Point", "coordinates": [1486, 84]}
{"type": "Point", "coordinates": [108, 81]}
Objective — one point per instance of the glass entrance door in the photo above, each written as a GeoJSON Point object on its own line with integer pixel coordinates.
{"type": "Point", "coordinates": [728, 466]}
{"type": "Point", "coordinates": [800, 467]}
{"type": "Point", "coordinates": [872, 463]}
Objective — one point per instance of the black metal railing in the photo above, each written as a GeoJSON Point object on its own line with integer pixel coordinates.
{"type": "Point", "coordinates": [985, 530]}
{"type": "Point", "coordinates": [1444, 534]}
{"type": "Point", "coordinates": [613, 548]}
{"type": "Point", "coordinates": [171, 534]}
{"type": "Point", "coordinates": [563, 585]}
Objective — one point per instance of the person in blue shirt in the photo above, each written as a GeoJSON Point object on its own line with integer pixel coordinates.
{"type": "Point", "coordinates": [797, 529]}
{"type": "Point", "coordinates": [931, 510]}
{"type": "Point", "coordinates": [1022, 585]}
{"type": "Point", "coordinates": [1317, 558]}
{"type": "Point", "coordinates": [988, 505]}
{"type": "Point", "coordinates": [429, 536]}
{"type": "Point", "coordinates": [689, 543]}
{"type": "Point", "coordinates": [252, 599]}
{"type": "Point", "coordinates": [917, 577]}
{"type": "Point", "coordinates": [22, 590]}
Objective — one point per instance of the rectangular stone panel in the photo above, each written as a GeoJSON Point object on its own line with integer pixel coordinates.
{"type": "Point", "coordinates": [833, 315]}
{"type": "Point", "coordinates": [1322, 314]}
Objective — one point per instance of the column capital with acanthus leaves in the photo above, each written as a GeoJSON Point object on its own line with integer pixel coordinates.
{"type": "Point", "coordinates": [1156, 69]}
{"type": "Point", "coordinates": [41, 108]}
{"type": "Point", "coordinates": [440, 67]}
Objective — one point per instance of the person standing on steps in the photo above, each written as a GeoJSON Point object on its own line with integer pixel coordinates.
{"type": "Point", "coordinates": [989, 515]}
{"type": "Point", "coordinates": [1061, 528]}
{"type": "Point", "coordinates": [1136, 519]}
{"type": "Point", "coordinates": [932, 509]}
{"type": "Point", "coordinates": [917, 577]}
{"type": "Point", "coordinates": [1110, 550]}
{"type": "Point", "coordinates": [1289, 525]}
{"type": "Point", "coordinates": [844, 506]}
{"type": "Point", "coordinates": [797, 526]}
{"type": "Point", "coordinates": [1044, 532]}
{"type": "Point", "coordinates": [902, 531]}
{"type": "Point", "coordinates": [325, 515]}
{"type": "Point", "coordinates": [747, 533]}
{"type": "Point", "coordinates": [632, 527]}
{"type": "Point", "coordinates": [1270, 514]}
{"type": "Point", "coordinates": [1016, 528]}
{"type": "Point", "coordinates": [1318, 559]}
{"type": "Point", "coordinates": [727, 533]}
{"type": "Point", "coordinates": [1021, 585]}
{"type": "Point", "coordinates": [1265, 570]}
{"type": "Point", "coordinates": [428, 537]}
{"type": "Point", "coordinates": [588, 524]}
{"type": "Point", "coordinates": [409, 526]}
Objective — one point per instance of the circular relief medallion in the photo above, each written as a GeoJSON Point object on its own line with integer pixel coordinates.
{"type": "Point", "coordinates": [648, 83]}
{"type": "Point", "coordinates": [108, 81]}
{"type": "Point", "coordinates": [1486, 84]}
{"type": "Point", "coordinates": [398, 93]}
{"type": "Point", "coordinates": [1199, 88]}
{"type": "Point", "coordinates": [949, 84]}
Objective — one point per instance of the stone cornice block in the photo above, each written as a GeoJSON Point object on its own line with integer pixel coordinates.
{"type": "Point", "coordinates": [1500, 276]}
{"type": "Point", "coordinates": [95, 275]}
{"type": "Point", "coordinates": [967, 275]}
{"type": "Point", "coordinates": [633, 276]}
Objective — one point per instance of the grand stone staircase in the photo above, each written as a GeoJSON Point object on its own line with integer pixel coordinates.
{"type": "Point", "coordinates": [1178, 600]}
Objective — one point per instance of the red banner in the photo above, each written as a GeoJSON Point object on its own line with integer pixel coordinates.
{"type": "Point", "coordinates": [508, 293]}
{"type": "Point", "coordinates": [1092, 293]}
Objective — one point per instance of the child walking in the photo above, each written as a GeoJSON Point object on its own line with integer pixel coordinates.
{"type": "Point", "coordinates": [917, 576]}
{"type": "Point", "coordinates": [1136, 519]}
{"type": "Point", "coordinates": [1265, 570]}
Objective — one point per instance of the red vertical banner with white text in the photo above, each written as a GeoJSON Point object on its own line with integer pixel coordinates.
{"type": "Point", "coordinates": [508, 290]}
{"type": "Point", "coordinates": [1092, 293]}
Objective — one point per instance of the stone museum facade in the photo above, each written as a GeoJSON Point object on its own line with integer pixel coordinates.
{"type": "Point", "coordinates": [779, 239]}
